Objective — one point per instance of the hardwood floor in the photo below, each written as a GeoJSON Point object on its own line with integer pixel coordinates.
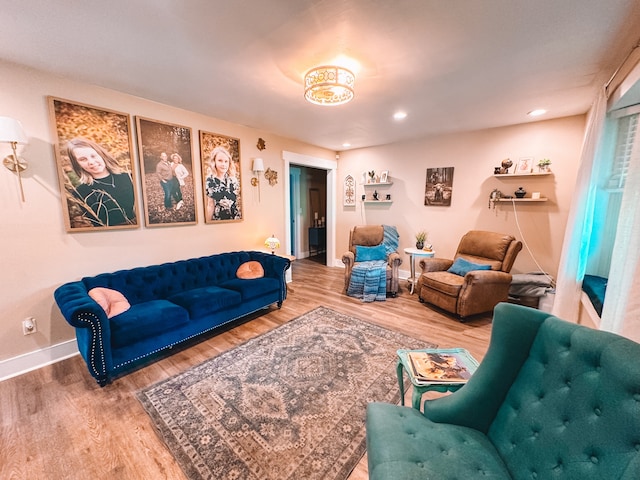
{"type": "Point", "coordinates": [56, 423]}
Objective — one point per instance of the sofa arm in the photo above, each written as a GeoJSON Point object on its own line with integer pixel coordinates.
{"type": "Point", "coordinates": [92, 326]}
{"type": "Point", "coordinates": [274, 266]}
{"type": "Point", "coordinates": [475, 405]}
{"type": "Point", "coordinates": [435, 264]}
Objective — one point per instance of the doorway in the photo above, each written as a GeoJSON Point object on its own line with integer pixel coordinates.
{"type": "Point", "coordinates": [302, 173]}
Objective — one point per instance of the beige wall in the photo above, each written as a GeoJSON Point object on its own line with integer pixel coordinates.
{"type": "Point", "coordinates": [37, 255]}
{"type": "Point", "coordinates": [473, 156]}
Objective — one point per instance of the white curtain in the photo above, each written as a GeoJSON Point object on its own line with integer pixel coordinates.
{"type": "Point", "coordinates": [576, 238]}
{"type": "Point", "coordinates": [621, 307]}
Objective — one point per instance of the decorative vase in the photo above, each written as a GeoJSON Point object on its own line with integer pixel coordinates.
{"type": "Point", "coordinates": [419, 245]}
{"type": "Point", "coordinates": [520, 192]}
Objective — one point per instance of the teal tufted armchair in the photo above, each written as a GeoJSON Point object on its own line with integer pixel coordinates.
{"type": "Point", "coordinates": [550, 400]}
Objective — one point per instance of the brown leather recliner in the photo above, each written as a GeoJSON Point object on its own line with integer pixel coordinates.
{"type": "Point", "coordinates": [478, 291]}
{"type": "Point", "coordinates": [370, 236]}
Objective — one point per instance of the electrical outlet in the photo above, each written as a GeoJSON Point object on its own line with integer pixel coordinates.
{"type": "Point", "coordinates": [29, 326]}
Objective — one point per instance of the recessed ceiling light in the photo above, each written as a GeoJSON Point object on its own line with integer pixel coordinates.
{"type": "Point", "coordinates": [346, 145]}
{"type": "Point", "coordinates": [400, 115]}
{"type": "Point", "coordinates": [537, 112]}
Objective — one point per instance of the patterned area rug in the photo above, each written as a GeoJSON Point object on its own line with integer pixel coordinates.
{"type": "Point", "coordinates": [289, 404]}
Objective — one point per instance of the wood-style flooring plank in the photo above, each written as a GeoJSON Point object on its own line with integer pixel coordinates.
{"type": "Point", "coordinates": [56, 422]}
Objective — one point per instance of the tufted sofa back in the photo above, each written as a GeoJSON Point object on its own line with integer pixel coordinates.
{"type": "Point", "coordinates": [154, 282]}
{"type": "Point", "coordinates": [576, 386]}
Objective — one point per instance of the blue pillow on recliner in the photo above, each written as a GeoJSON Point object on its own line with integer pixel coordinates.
{"type": "Point", "coordinates": [462, 267]}
{"type": "Point", "coordinates": [364, 254]}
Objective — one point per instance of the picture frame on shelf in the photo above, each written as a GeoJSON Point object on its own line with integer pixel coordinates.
{"type": "Point", "coordinates": [524, 166]}
{"type": "Point", "coordinates": [164, 150]}
{"type": "Point", "coordinates": [95, 164]}
{"type": "Point", "coordinates": [221, 183]}
{"type": "Point", "coordinates": [384, 176]}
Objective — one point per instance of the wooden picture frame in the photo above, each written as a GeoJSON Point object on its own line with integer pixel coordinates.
{"type": "Point", "coordinates": [349, 191]}
{"type": "Point", "coordinates": [221, 179]}
{"type": "Point", "coordinates": [94, 160]}
{"type": "Point", "coordinates": [523, 166]}
{"type": "Point", "coordinates": [166, 168]}
{"type": "Point", "coordinates": [439, 187]}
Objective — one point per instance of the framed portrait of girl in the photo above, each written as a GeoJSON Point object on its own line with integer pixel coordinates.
{"type": "Point", "coordinates": [220, 160]}
{"type": "Point", "coordinates": [95, 166]}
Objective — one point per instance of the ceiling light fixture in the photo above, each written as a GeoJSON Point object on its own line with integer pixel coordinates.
{"type": "Point", "coordinates": [329, 85]}
{"type": "Point", "coordinates": [537, 112]}
{"type": "Point", "coordinates": [400, 115]}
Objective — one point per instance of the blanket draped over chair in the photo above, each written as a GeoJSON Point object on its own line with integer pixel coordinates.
{"type": "Point", "coordinates": [369, 278]}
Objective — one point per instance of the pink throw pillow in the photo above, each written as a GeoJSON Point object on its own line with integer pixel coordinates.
{"type": "Point", "coordinates": [111, 301]}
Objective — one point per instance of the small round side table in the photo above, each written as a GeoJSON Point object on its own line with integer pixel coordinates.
{"type": "Point", "coordinates": [413, 253]}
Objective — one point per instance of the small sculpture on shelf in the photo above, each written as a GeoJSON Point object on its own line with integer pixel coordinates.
{"type": "Point", "coordinates": [375, 195]}
{"type": "Point", "coordinates": [520, 193]}
{"type": "Point", "coordinates": [506, 164]}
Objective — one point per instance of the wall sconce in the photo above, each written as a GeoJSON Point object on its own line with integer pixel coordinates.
{"type": "Point", "coordinates": [258, 168]}
{"type": "Point", "coordinates": [11, 131]}
{"type": "Point", "coordinates": [272, 243]}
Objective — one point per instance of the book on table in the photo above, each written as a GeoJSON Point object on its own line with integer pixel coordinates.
{"type": "Point", "coordinates": [440, 367]}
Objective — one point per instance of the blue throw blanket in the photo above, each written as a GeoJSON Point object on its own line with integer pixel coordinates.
{"type": "Point", "coordinates": [369, 279]}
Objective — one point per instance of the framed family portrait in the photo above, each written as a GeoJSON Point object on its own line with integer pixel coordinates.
{"type": "Point", "coordinates": [94, 158]}
{"type": "Point", "coordinates": [220, 160]}
{"type": "Point", "coordinates": [439, 187]}
{"type": "Point", "coordinates": [166, 166]}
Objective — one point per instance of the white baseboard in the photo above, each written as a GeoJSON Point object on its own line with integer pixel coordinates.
{"type": "Point", "coordinates": [37, 359]}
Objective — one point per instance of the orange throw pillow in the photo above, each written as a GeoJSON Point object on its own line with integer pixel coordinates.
{"type": "Point", "coordinates": [249, 270]}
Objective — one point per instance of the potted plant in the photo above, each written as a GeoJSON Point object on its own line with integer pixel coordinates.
{"type": "Point", "coordinates": [372, 176]}
{"type": "Point", "coordinates": [421, 237]}
{"type": "Point", "coordinates": [543, 165]}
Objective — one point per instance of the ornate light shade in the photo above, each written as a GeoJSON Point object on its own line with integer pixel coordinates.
{"type": "Point", "coordinates": [272, 243]}
{"type": "Point", "coordinates": [329, 85]}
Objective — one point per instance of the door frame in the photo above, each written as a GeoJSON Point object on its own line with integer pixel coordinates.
{"type": "Point", "coordinates": [331, 167]}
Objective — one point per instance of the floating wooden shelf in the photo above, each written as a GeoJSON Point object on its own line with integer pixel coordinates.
{"type": "Point", "coordinates": [378, 201]}
{"type": "Point", "coordinates": [503, 200]}
{"type": "Point", "coordinates": [516, 175]}
{"type": "Point", "coordinates": [376, 184]}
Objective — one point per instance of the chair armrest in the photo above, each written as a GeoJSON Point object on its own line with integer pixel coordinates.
{"type": "Point", "coordinates": [475, 405]}
{"type": "Point", "coordinates": [435, 264]}
{"type": "Point", "coordinates": [394, 260]}
{"type": "Point", "coordinates": [348, 259]}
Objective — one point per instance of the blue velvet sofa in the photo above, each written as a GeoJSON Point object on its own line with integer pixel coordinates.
{"type": "Point", "coordinates": [170, 304]}
{"type": "Point", "coordinates": [550, 400]}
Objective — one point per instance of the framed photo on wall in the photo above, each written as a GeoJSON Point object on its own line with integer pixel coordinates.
{"type": "Point", "coordinates": [166, 165]}
{"type": "Point", "coordinates": [94, 157]}
{"type": "Point", "coordinates": [439, 187]}
{"type": "Point", "coordinates": [220, 160]}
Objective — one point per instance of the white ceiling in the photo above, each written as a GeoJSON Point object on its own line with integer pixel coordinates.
{"type": "Point", "coordinates": [450, 64]}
